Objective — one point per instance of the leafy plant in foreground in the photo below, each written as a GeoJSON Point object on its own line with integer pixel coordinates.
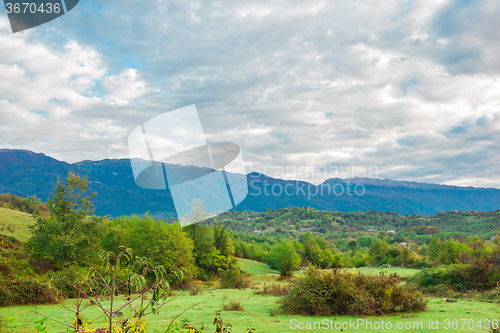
{"type": "Point", "coordinates": [106, 282]}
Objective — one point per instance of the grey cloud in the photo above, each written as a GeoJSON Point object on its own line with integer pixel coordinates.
{"type": "Point", "coordinates": [472, 30]}
{"type": "Point", "coordinates": [292, 84]}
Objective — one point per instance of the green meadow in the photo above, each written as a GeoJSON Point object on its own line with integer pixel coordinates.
{"type": "Point", "coordinates": [403, 272]}
{"type": "Point", "coordinates": [257, 314]}
{"type": "Point", "coordinates": [255, 268]}
{"type": "Point", "coordinates": [15, 223]}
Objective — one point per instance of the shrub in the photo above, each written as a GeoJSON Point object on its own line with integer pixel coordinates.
{"type": "Point", "coordinates": [273, 312]}
{"type": "Point", "coordinates": [421, 265]}
{"type": "Point", "coordinates": [32, 291]}
{"type": "Point", "coordinates": [5, 295]}
{"type": "Point", "coordinates": [493, 294]}
{"type": "Point", "coordinates": [477, 276]}
{"type": "Point", "coordinates": [184, 284]}
{"type": "Point", "coordinates": [274, 289]}
{"type": "Point", "coordinates": [41, 265]}
{"type": "Point", "coordinates": [347, 293]}
{"type": "Point", "coordinates": [232, 306]}
{"type": "Point", "coordinates": [69, 274]}
{"type": "Point", "coordinates": [233, 279]}
{"type": "Point", "coordinates": [440, 290]}
{"type": "Point", "coordinates": [194, 291]}
{"type": "Point", "coordinates": [204, 276]}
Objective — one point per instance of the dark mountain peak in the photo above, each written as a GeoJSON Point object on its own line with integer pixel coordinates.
{"type": "Point", "coordinates": [22, 153]}
{"type": "Point", "coordinates": [27, 157]}
{"type": "Point", "coordinates": [19, 151]}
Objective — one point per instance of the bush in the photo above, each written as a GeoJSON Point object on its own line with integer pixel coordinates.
{"type": "Point", "coordinates": [5, 295]}
{"type": "Point", "coordinates": [233, 306]}
{"type": "Point", "coordinates": [477, 276]}
{"type": "Point", "coordinates": [273, 312]}
{"type": "Point", "coordinates": [40, 265]}
{"type": "Point", "coordinates": [233, 279]}
{"type": "Point", "coordinates": [441, 290]}
{"type": "Point", "coordinates": [421, 265]}
{"type": "Point", "coordinates": [274, 289]}
{"type": "Point", "coordinates": [194, 291]}
{"type": "Point", "coordinates": [326, 293]}
{"type": "Point", "coordinates": [493, 294]}
{"type": "Point", "coordinates": [30, 291]}
{"type": "Point", "coordinates": [69, 274]}
{"type": "Point", "coordinates": [205, 276]}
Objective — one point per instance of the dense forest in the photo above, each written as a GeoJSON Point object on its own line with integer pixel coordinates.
{"type": "Point", "coordinates": [296, 220]}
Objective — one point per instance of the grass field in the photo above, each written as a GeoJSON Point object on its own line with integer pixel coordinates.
{"type": "Point", "coordinates": [15, 223]}
{"type": "Point", "coordinates": [256, 315]}
{"type": "Point", "coordinates": [465, 314]}
{"type": "Point", "coordinates": [257, 312]}
{"type": "Point", "coordinates": [255, 268]}
{"type": "Point", "coordinates": [403, 272]}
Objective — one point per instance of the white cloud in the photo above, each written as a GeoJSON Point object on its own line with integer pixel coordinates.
{"type": "Point", "coordinates": [43, 90]}
{"type": "Point", "coordinates": [409, 87]}
{"type": "Point", "coordinates": [124, 87]}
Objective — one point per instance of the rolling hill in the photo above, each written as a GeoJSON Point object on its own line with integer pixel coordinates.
{"type": "Point", "coordinates": [16, 224]}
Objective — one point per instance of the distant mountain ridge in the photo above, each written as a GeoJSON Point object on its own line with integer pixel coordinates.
{"type": "Point", "coordinates": [396, 183]}
{"type": "Point", "coordinates": [27, 173]}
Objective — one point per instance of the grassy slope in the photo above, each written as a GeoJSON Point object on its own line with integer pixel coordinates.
{"type": "Point", "coordinates": [255, 268]}
{"type": "Point", "coordinates": [256, 314]}
{"type": "Point", "coordinates": [15, 223]}
{"type": "Point", "coordinates": [404, 272]}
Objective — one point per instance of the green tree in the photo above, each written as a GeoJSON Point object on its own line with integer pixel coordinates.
{"type": "Point", "coordinates": [365, 241]}
{"type": "Point", "coordinates": [316, 250]}
{"type": "Point", "coordinates": [451, 250]}
{"type": "Point", "coordinates": [70, 233]}
{"type": "Point", "coordinates": [213, 262]}
{"type": "Point", "coordinates": [165, 244]}
{"type": "Point", "coordinates": [286, 259]}
{"type": "Point", "coordinates": [434, 248]}
{"type": "Point", "coordinates": [378, 250]}
{"type": "Point", "coordinates": [312, 251]}
{"type": "Point", "coordinates": [361, 259]}
{"type": "Point", "coordinates": [352, 245]}
{"type": "Point", "coordinates": [223, 241]}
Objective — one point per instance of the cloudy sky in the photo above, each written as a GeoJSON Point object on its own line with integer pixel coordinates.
{"type": "Point", "coordinates": [409, 89]}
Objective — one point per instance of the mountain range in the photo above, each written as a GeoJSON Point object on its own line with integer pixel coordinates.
{"type": "Point", "coordinates": [26, 173]}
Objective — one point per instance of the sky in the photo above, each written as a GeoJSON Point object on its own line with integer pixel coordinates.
{"type": "Point", "coordinates": [310, 90]}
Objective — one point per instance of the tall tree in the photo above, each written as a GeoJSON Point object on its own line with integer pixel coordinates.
{"type": "Point", "coordinates": [223, 242]}
{"type": "Point", "coordinates": [378, 248]}
{"type": "Point", "coordinates": [286, 259]}
{"type": "Point", "coordinates": [69, 234]}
